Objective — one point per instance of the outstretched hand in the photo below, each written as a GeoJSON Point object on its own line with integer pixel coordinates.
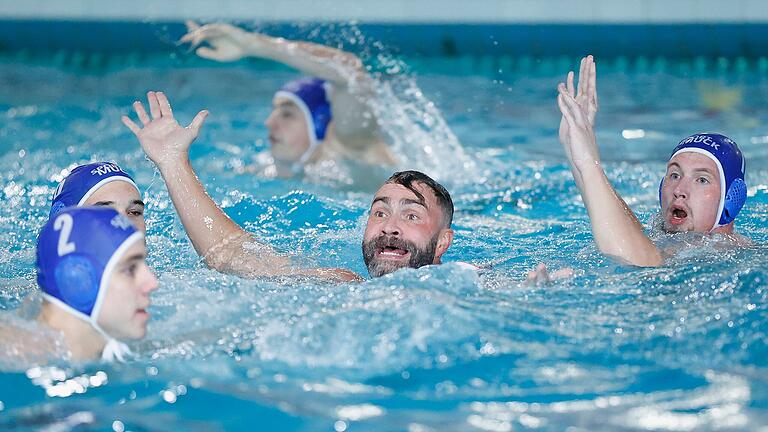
{"type": "Point", "coordinates": [162, 138]}
{"type": "Point", "coordinates": [227, 42]}
{"type": "Point", "coordinates": [541, 275]}
{"type": "Point", "coordinates": [579, 107]}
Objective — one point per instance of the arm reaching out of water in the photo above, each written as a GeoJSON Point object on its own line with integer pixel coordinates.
{"type": "Point", "coordinates": [616, 229]}
{"type": "Point", "coordinates": [230, 43]}
{"type": "Point", "coordinates": [354, 123]}
{"type": "Point", "coordinates": [223, 244]}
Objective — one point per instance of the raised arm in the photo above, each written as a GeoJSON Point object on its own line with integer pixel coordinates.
{"type": "Point", "coordinates": [615, 227]}
{"type": "Point", "coordinates": [230, 43]}
{"type": "Point", "coordinates": [223, 244]}
{"type": "Point", "coordinates": [354, 122]}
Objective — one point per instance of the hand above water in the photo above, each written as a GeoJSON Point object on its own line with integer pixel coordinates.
{"type": "Point", "coordinates": [162, 138]}
{"type": "Point", "coordinates": [227, 42]}
{"type": "Point", "coordinates": [579, 107]}
{"type": "Point", "coordinates": [541, 276]}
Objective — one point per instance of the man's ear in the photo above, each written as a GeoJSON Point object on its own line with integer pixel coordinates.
{"type": "Point", "coordinates": [443, 242]}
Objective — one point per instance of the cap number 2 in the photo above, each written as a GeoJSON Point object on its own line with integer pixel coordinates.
{"type": "Point", "coordinates": [63, 223]}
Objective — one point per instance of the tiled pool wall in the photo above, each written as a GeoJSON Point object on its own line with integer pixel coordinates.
{"type": "Point", "coordinates": [78, 30]}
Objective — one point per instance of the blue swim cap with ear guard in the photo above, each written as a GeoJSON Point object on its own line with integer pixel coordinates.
{"type": "Point", "coordinates": [312, 96]}
{"type": "Point", "coordinates": [83, 181]}
{"type": "Point", "coordinates": [77, 250]}
{"type": "Point", "coordinates": [731, 167]}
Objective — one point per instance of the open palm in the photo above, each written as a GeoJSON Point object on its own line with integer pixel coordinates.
{"type": "Point", "coordinates": [162, 138]}
{"type": "Point", "coordinates": [227, 42]}
{"type": "Point", "coordinates": [579, 108]}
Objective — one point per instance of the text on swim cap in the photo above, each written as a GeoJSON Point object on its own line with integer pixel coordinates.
{"type": "Point", "coordinates": [106, 169]}
{"type": "Point", "coordinates": [703, 139]}
{"type": "Point", "coordinates": [64, 223]}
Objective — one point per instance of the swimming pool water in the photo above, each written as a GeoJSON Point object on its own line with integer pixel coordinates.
{"type": "Point", "coordinates": [682, 347]}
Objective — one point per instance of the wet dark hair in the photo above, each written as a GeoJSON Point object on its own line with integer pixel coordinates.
{"type": "Point", "coordinates": [407, 180]}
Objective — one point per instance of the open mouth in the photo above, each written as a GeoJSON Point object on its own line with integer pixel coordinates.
{"type": "Point", "coordinates": [391, 252]}
{"type": "Point", "coordinates": [678, 215]}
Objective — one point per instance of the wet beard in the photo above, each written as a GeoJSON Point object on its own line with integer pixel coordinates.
{"type": "Point", "coordinates": [378, 267]}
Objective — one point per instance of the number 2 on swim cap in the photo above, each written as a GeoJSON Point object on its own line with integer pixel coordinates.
{"type": "Point", "coordinates": [64, 223]}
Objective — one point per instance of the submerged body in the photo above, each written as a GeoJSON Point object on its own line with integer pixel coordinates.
{"type": "Point", "coordinates": [419, 349]}
{"type": "Point", "coordinates": [95, 286]}
{"type": "Point", "coordinates": [702, 191]}
{"type": "Point", "coordinates": [323, 118]}
{"type": "Point", "coordinates": [227, 247]}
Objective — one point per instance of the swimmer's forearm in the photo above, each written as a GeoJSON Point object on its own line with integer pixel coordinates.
{"type": "Point", "coordinates": [615, 227]}
{"type": "Point", "coordinates": [222, 243]}
{"type": "Point", "coordinates": [324, 62]}
{"type": "Point", "coordinates": [205, 223]}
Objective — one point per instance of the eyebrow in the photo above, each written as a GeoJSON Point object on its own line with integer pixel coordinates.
{"type": "Point", "coordinates": [702, 169]}
{"type": "Point", "coordinates": [404, 201]}
{"type": "Point", "coordinates": [136, 257]}
{"type": "Point", "coordinates": [109, 203]}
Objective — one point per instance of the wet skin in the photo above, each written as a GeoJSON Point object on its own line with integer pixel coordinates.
{"type": "Point", "coordinates": [690, 195]}
{"type": "Point", "coordinates": [404, 230]}
{"type": "Point", "coordinates": [123, 312]}
{"type": "Point", "coordinates": [288, 133]}
{"type": "Point", "coordinates": [124, 198]}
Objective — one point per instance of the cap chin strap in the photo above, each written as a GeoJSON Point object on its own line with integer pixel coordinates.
{"type": "Point", "coordinates": [298, 166]}
{"type": "Point", "coordinates": [113, 349]}
{"type": "Point", "coordinates": [722, 180]}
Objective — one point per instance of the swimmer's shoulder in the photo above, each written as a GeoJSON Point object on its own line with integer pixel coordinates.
{"type": "Point", "coordinates": [26, 342]}
{"type": "Point", "coordinates": [743, 241]}
{"type": "Point", "coordinates": [672, 246]}
{"type": "Point", "coordinates": [468, 266]}
{"type": "Point", "coordinates": [368, 150]}
{"type": "Point", "coordinates": [735, 240]}
{"type": "Point", "coordinates": [472, 267]}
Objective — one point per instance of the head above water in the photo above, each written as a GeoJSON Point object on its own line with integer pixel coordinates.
{"type": "Point", "coordinates": [299, 120]}
{"type": "Point", "coordinates": [409, 224]}
{"type": "Point", "coordinates": [704, 188]}
{"type": "Point", "coordinates": [100, 184]}
{"type": "Point", "coordinates": [91, 264]}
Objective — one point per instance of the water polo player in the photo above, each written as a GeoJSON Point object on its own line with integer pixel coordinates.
{"type": "Point", "coordinates": [96, 284]}
{"type": "Point", "coordinates": [325, 117]}
{"type": "Point", "coordinates": [409, 223]}
{"type": "Point", "coordinates": [703, 189]}
{"type": "Point", "coordinates": [101, 184]}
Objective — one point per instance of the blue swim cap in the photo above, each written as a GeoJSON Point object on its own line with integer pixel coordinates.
{"type": "Point", "coordinates": [83, 181]}
{"type": "Point", "coordinates": [77, 250]}
{"type": "Point", "coordinates": [730, 164]}
{"type": "Point", "coordinates": [311, 95]}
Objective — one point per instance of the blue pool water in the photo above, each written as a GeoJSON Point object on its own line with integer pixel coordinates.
{"type": "Point", "coordinates": [682, 347]}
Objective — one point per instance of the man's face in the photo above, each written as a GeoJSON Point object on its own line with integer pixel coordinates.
{"type": "Point", "coordinates": [404, 230]}
{"type": "Point", "coordinates": [690, 195]}
{"type": "Point", "coordinates": [288, 134]}
{"type": "Point", "coordinates": [123, 312]}
{"type": "Point", "coordinates": [124, 198]}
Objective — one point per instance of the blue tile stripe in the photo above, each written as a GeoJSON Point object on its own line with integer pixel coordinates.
{"type": "Point", "coordinates": [539, 40]}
